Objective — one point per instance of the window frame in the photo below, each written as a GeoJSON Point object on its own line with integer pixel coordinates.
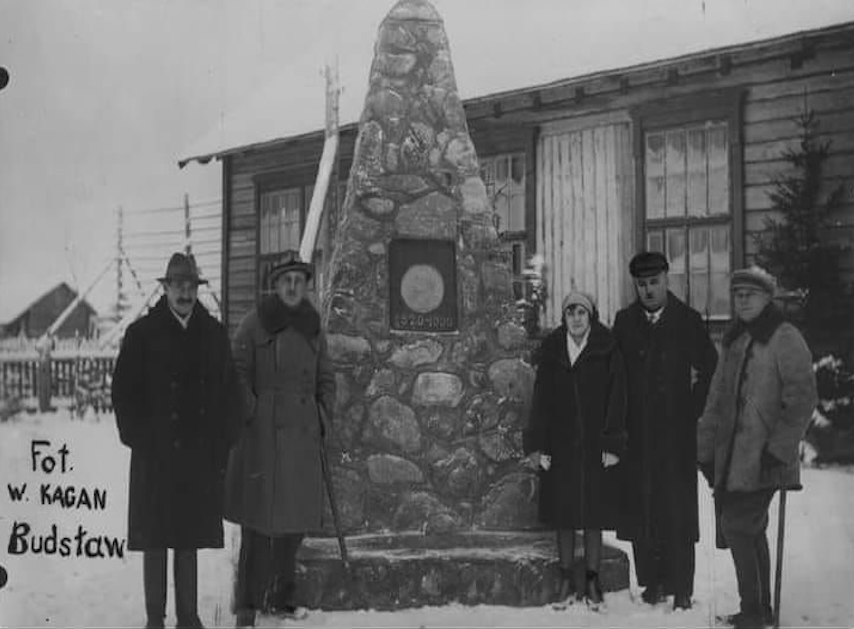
{"type": "Point", "coordinates": [516, 242]}
{"type": "Point", "coordinates": [265, 183]}
{"type": "Point", "coordinates": [718, 105]}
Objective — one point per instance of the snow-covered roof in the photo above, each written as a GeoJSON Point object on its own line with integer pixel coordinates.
{"type": "Point", "coordinates": [19, 306]}
{"type": "Point", "coordinates": [496, 48]}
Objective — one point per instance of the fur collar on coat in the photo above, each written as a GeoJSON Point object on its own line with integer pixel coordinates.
{"type": "Point", "coordinates": [600, 342]}
{"type": "Point", "coordinates": [762, 328]}
{"type": "Point", "coordinates": [275, 317]}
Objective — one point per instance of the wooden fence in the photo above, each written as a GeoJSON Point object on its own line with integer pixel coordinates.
{"type": "Point", "coordinates": [78, 378]}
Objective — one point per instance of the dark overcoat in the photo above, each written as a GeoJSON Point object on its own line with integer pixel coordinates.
{"type": "Point", "coordinates": [762, 397]}
{"type": "Point", "coordinates": [274, 480]}
{"type": "Point", "coordinates": [175, 397]}
{"type": "Point", "coordinates": [577, 414]}
{"type": "Point", "coordinates": [669, 366]}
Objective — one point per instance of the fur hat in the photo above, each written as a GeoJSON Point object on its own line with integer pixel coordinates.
{"type": "Point", "coordinates": [577, 298]}
{"type": "Point", "coordinates": [754, 277]}
{"type": "Point", "coordinates": [290, 262]}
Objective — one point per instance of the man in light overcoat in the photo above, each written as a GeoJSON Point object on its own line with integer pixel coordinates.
{"type": "Point", "coordinates": [274, 484]}
{"type": "Point", "coordinates": [762, 397]}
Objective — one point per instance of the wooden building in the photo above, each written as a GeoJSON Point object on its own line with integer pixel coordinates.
{"type": "Point", "coordinates": [36, 318]}
{"type": "Point", "coordinates": [677, 155]}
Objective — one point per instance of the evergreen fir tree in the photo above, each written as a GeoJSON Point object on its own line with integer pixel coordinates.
{"type": "Point", "coordinates": [795, 247]}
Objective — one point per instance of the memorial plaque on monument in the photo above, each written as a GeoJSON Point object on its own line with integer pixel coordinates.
{"type": "Point", "coordinates": [423, 291]}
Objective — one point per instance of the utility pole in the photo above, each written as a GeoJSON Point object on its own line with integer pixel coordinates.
{"type": "Point", "coordinates": [119, 253]}
{"type": "Point", "coordinates": [188, 247]}
{"type": "Point", "coordinates": [327, 161]}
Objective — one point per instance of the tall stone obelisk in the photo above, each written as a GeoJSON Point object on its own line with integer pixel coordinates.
{"type": "Point", "coordinates": [421, 319]}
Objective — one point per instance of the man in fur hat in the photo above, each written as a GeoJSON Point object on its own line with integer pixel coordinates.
{"type": "Point", "coordinates": [175, 396]}
{"type": "Point", "coordinates": [274, 484]}
{"type": "Point", "coordinates": [669, 362]}
{"type": "Point", "coordinates": [762, 397]}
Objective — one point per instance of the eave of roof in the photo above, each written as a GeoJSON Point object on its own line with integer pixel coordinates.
{"type": "Point", "coordinates": [775, 46]}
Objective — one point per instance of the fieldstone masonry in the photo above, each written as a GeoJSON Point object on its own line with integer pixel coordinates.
{"type": "Point", "coordinates": [427, 428]}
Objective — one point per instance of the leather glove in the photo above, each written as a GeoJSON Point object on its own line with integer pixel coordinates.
{"type": "Point", "coordinates": [708, 472]}
{"type": "Point", "coordinates": [769, 461]}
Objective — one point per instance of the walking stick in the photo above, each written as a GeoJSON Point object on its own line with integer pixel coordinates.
{"type": "Point", "coordinates": [778, 573]}
{"type": "Point", "coordinates": [330, 493]}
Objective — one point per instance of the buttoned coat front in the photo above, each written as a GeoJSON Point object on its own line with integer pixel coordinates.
{"type": "Point", "coordinates": [274, 483]}
{"type": "Point", "coordinates": [578, 413]}
{"type": "Point", "coordinates": [175, 396]}
{"type": "Point", "coordinates": [669, 365]}
{"type": "Point", "coordinates": [762, 396]}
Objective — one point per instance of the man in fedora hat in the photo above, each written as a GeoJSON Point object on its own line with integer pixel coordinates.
{"type": "Point", "coordinates": [761, 400]}
{"type": "Point", "coordinates": [669, 362]}
{"type": "Point", "coordinates": [274, 483]}
{"type": "Point", "coordinates": [176, 400]}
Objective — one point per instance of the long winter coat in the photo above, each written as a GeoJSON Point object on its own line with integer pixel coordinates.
{"type": "Point", "coordinates": [176, 402]}
{"type": "Point", "coordinates": [762, 397]}
{"type": "Point", "coordinates": [669, 366]}
{"type": "Point", "coordinates": [578, 412]}
{"type": "Point", "coordinates": [274, 481]}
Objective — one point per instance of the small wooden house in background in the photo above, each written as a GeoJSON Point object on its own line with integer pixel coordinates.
{"type": "Point", "coordinates": [37, 317]}
{"type": "Point", "coordinates": [676, 155]}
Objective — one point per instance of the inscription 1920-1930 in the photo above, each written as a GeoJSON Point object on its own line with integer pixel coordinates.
{"type": "Point", "coordinates": [423, 285]}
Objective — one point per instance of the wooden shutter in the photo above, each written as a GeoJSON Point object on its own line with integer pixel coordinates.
{"type": "Point", "coordinates": [585, 213]}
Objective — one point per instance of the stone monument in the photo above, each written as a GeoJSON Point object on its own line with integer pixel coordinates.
{"type": "Point", "coordinates": [428, 350]}
{"type": "Point", "coordinates": [421, 321]}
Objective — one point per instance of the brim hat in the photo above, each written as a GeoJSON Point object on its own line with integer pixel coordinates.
{"type": "Point", "coordinates": [291, 262]}
{"type": "Point", "coordinates": [754, 277]}
{"type": "Point", "coordinates": [648, 263]}
{"type": "Point", "coordinates": [577, 298]}
{"type": "Point", "coordinates": [182, 267]}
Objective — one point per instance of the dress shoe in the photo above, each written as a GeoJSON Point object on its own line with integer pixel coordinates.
{"type": "Point", "coordinates": [681, 601]}
{"type": "Point", "coordinates": [565, 590]}
{"type": "Point", "coordinates": [653, 594]}
{"type": "Point", "coordinates": [291, 612]}
{"type": "Point", "coordinates": [190, 623]}
{"type": "Point", "coordinates": [593, 591]}
{"type": "Point", "coordinates": [743, 620]}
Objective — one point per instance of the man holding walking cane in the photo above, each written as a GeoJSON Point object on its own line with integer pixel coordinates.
{"type": "Point", "coordinates": [274, 483]}
{"type": "Point", "coordinates": [762, 396]}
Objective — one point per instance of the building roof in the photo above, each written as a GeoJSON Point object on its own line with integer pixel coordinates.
{"type": "Point", "coordinates": [529, 59]}
{"type": "Point", "coordinates": [31, 303]}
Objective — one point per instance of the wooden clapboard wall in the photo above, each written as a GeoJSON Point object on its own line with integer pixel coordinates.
{"type": "Point", "coordinates": [295, 162]}
{"type": "Point", "coordinates": [585, 215]}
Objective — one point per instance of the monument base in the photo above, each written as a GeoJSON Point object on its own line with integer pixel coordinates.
{"type": "Point", "coordinates": [407, 570]}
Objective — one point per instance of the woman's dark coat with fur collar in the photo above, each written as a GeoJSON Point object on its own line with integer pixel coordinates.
{"type": "Point", "coordinates": [578, 412]}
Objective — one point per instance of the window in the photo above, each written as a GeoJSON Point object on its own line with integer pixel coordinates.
{"type": "Point", "coordinates": [504, 178]}
{"type": "Point", "coordinates": [282, 214]}
{"type": "Point", "coordinates": [281, 220]}
{"type": "Point", "coordinates": [690, 211]}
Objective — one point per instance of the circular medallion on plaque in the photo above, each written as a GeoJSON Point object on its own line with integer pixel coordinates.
{"type": "Point", "coordinates": [422, 288]}
{"type": "Point", "coordinates": [422, 285]}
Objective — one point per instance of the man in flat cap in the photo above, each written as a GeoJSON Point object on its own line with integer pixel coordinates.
{"type": "Point", "coordinates": [762, 397]}
{"type": "Point", "coordinates": [274, 484]}
{"type": "Point", "coordinates": [669, 362]}
{"type": "Point", "coordinates": [176, 400]}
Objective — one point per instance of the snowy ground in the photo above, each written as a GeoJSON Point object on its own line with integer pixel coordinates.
{"type": "Point", "coordinates": [55, 591]}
